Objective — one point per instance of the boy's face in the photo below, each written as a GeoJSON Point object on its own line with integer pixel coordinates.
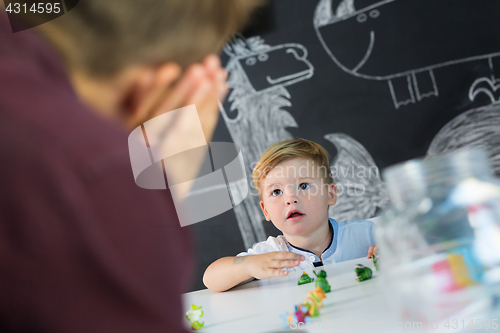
{"type": "Point", "coordinates": [295, 197]}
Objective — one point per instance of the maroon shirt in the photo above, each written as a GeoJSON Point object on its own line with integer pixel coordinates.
{"type": "Point", "coordinates": [82, 247]}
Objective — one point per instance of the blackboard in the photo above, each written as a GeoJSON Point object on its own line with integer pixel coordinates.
{"type": "Point", "coordinates": [374, 82]}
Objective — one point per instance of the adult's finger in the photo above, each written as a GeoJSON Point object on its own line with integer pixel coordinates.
{"type": "Point", "coordinates": [212, 64]}
{"type": "Point", "coordinates": [206, 92]}
{"type": "Point", "coordinates": [207, 105]}
{"type": "Point", "coordinates": [181, 93]}
{"type": "Point", "coordinates": [154, 87]}
{"type": "Point", "coordinates": [217, 73]}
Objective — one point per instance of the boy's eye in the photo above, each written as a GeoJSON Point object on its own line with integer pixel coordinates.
{"type": "Point", "coordinates": [304, 186]}
{"type": "Point", "coordinates": [275, 193]}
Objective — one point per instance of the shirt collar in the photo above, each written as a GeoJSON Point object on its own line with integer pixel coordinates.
{"type": "Point", "coordinates": [311, 257]}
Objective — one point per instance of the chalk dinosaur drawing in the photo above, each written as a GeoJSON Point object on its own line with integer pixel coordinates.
{"type": "Point", "coordinates": [358, 180]}
{"type": "Point", "coordinates": [377, 40]}
{"type": "Point", "coordinates": [258, 74]}
{"type": "Point", "coordinates": [476, 127]}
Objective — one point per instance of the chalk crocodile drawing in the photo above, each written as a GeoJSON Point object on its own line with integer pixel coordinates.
{"type": "Point", "coordinates": [377, 40]}
{"type": "Point", "coordinates": [256, 120]}
{"type": "Point", "coordinates": [476, 127]}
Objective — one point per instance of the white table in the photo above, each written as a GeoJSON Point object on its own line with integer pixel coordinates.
{"type": "Point", "coordinates": [256, 306]}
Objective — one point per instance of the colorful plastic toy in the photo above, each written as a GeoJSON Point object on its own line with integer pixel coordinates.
{"type": "Point", "coordinates": [322, 282]}
{"type": "Point", "coordinates": [286, 322]}
{"type": "Point", "coordinates": [375, 261]}
{"type": "Point", "coordinates": [305, 279]}
{"type": "Point", "coordinates": [303, 312]}
{"type": "Point", "coordinates": [363, 273]}
{"type": "Point", "coordinates": [314, 301]}
{"type": "Point", "coordinates": [193, 315]}
{"type": "Point", "coordinates": [293, 319]}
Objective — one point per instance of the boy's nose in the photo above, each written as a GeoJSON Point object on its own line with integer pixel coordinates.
{"type": "Point", "coordinates": [291, 199]}
{"type": "Point", "coordinates": [291, 195]}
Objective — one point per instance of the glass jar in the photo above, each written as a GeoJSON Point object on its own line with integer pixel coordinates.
{"type": "Point", "coordinates": [439, 241]}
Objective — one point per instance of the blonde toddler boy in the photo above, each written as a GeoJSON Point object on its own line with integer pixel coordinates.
{"type": "Point", "coordinates": [296, 188]}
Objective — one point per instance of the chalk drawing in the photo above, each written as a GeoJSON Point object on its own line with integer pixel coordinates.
{"type": "Point", "coordinates": [476, 127]}
{"type": "Point", "coordinates": [486, 86]}
{"type": "Point", "coordinates": [258, 75]}
{"type": "Point", "coordinates": [256, 119]}
{"type": "Point", "coordinates": [409, 69]}
{"type": "Point", "coordinates": [358, 181]}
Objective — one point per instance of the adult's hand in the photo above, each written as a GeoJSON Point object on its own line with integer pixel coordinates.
{"type": "Point", "coordinates": [202, 84]}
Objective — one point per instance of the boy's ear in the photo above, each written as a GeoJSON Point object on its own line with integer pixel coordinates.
{"type": "Point", "coordinates": [264, 211]}
{"type": "Point", "coordinates": [332, 194]}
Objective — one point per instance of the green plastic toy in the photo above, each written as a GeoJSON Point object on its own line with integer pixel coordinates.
{"type": "Point", "coordinates": [305, 279]}
{"type": "Point", "coordinates": [363, 273]}
{"type": "Point", "coordinates": [193, 315]}
{"type": "Point", "coordinates": [375, 261]}
{"type": "Point", "coordinates": [322, 282]}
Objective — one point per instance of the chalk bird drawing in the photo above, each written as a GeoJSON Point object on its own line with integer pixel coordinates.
{"type": "Point", "coordinates": [377, 40]}
{"type": "Point", "coordinates": [258, 75]}
{"type": "Point", "coordinates": [476, 127]}
{"type": "Point", "coordinates": [358, 181]}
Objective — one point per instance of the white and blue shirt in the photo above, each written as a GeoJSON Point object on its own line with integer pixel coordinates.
{"type": "Point", "coordinates": [350, 240]}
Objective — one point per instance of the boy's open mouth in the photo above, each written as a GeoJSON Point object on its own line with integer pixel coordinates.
{"type": "Point", "coordinates": [294, 213]}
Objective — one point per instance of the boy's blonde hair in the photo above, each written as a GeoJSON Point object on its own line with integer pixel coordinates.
{"type": "Point", "coordinates": [289, 149]}
{"type": "Point", "coordinates": [102, 37]}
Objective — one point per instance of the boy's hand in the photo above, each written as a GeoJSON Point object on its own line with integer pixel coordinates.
{"type": "Point", "coordinates": [263, 266]}
{"type": "Point", "coordinates": [372, 250]}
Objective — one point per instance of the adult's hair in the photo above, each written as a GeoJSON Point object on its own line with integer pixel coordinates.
{"type": "Point", "coordinates": [102, 37]}
{"type": "Point", "coordinates": [287, 150]}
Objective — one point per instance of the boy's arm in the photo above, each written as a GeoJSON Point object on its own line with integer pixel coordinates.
{"type": "Point", "coordinates": [228, 272]}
